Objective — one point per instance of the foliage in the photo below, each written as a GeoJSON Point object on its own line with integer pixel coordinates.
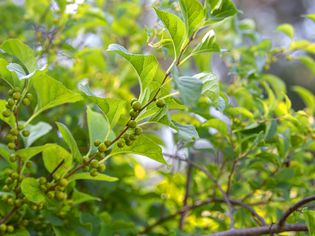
{"type": "Point", "coordinates": [82, 105]}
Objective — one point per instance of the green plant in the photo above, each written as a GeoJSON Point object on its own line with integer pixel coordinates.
{"type": "Point", "coordinates": [255, 159]}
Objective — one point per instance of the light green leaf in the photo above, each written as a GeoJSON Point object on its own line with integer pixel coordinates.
{"type": "Point", "coordinates": [29, 152]}
{"type": "Point", "coordinates": [219, 125]}
{"type": "Point", "coordinates": [311, 17]}
{"type": "Point", "coordinates": [19, 71]}
{"type": "Point", "coordinates": [175, 27]}
{"type": "Point", "coordinates": [221, 9]}
{"type": "Point", "coordinates": [9, 120]}
{"type": "Point", "coordinates": [53, 155]}
{"type": "Point", "coordinates": [4, 152]}
{"type": "Point", "coordinates": [307, 97]}
{"type": "Point", "coordinates": [144, 146]}
{"type": "Point", "coordinates": [193, 14]}
{"type": "Point", "coordinates": [87, 176]}
{"type": "Point", "coordinates": [187, 133]}
{"type": "Point", "coordinates": [310, 222]}
{"type": "Point", "coordinates": [51, 92]}
{"type": "Point", "coordinates": [210, 86]}
{"type": "Point", "coordinates": [19, 232]}
{"type": "Point", "coordinates": [80, 197]}
{"type": "Point", "coordinates": [207, 44]}
{"type": "Point", "coordinates": [6, 75]}
{"type": "Point", "coordinates": [22, 52]}
{"type": "Point", "coordinates": [99, 128]}
{"type": "Point", "coordinates": [287, 29]}
{"type": "Point", "coordinates": [189, 88]}
{"type": "Point", "coordinates": [148, 69]}
{"type": "Point", "coordinates": [36, 131]}
{"type": "Point", "coordinates": [30, 188]}
{"type": "Point", "coordinates": [236, 111]}
{"type": "Point", "coordinates": [309, 63]}
{"type": "Point", "coordinates": [68, 138]}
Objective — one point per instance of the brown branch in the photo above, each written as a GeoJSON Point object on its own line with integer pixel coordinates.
{"type": "Point", "coordinates": [294, 208]}
{"type": "Point", "coordinates": [56, 168]}
{"type": "Point", "coordinates": [266, 229]}
{"type": "Point", "coordinates": [185, 200]}
{"type": "Point", "coordinates": [8, 216]}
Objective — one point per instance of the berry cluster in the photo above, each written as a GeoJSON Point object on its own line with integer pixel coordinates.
{"type": "Point", "coordinates": [54, 189]}
{"type": "Point", "coordinates": [13, 101]}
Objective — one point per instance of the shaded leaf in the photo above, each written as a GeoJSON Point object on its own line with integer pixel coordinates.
{"type": "Point", "coordinates": [30, 188]}
{"type": "Point", "coordinates": [189, 88]}
{"type": "Point", "coordinates": [87, 176]}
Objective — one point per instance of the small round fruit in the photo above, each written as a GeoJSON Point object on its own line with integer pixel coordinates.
{"type": "Point", "coordinates": [11, 146]}
{"type": "Point", "coordinates": [126, 137]}
{"type": "Point", "coordinates": [25, 222]}
{"type": "Point", "coordinates": [60, 195]}
{"type": "Point", "coordinates": [6, 113]}
{"type": "Point", "coordinates": [128, 142]}
{"type": "Point", "coordinates": [121, 144]}
{"type": "Point", "coordinates": [97, 142]}
{"type": "Point", "coordinates": [26, 133]}
{"type": "Point", "coordinates": [93, 173]}
{"type": "Point", "coordinates": [18, 202]}
{"type": "Point", "coordinates": [160, 103]}
{"type": "Point", "coordinates": [133, 114]}
{"type": "Point", "coordinates": [12, 158]}
{"type": "Point", "coordinates": [132, 137]}
{"type": "Point", "coordinates": [6, 188]}
{"type": "Point", "coordinates": [102, 147]}
{"type": "Point", "coordinates": [107, 143]}
{"type": "Point", "coordinates": [133, 101]}
{"type": "Point", "coordinates": [14, 175]}
{"type": "Point", "coordinates": [10, 102]}
{"type": "Point", "coordinates": [29, 164]}
{"type": "Point", "coordinates": [94, 164]}
{"type": "Point", "coordinates": [9, 180]}
{"type": "Point", "coordinates": [14, 131]}
{"type": "Point", "coordinates": [16, 95]}
{"type": "Point", "coordinates": [136, 106]}
{"type": "Point", "coordinates": [26, 102]}
{"type": "Point", "coordinates": [20, 127]}
{"type": "Point", "coordinates": [51, 194]}
{"type": "Point", "coordinates": [42, 180]}
{"type": "Point", "coordinates": [138, 131]}
{"type": "Point", "coordinates": [63, 182]}
{"type": "Point", "coordinates": [11, 91]}
{"type": "Point", "coordinates": [10, 228]}
{"type": "Point", "coordinates": [85, 160]}
{"type": "Point", "coordinates": [3, 227]}
{"type": "Point", "coordinates": [101, 168]}
{"type": "Point", "coordinates": [29, 96]}
{"type": "Point", "coordinates": [132, 124]}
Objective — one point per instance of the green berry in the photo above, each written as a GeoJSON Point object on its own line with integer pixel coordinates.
{"type": "Point", "coordinates": [10, 201]}
{"type": "Point", "coordinates": [160, 103]}
{"type": "Point", "coordinates": [6, 113]}
{"type": "Point", "coordinates": [136, 106]}
{"type": "Point", "coordinates": [132, 124]}
{"type": "Point", "coordinates": [93, 172]}
{"type": "Point", "coordinates": [121, 144]}
{"type": "Point", "coordinates": [11, 91]}
{"type": "Point", "coordinates": [132, 137]}
{"type": "Point", "coordinates": [29, 96]}
{"type": "Point", "coordinates": [9, 180]}
{"type": "Point", "coordinates": [138, 130]}
{"type": "Point", "coordinates": [14, 175]}
{"type": "Point", "coordinates": [26, 133]}
{"type": "Point", "coordinates": [60, 195]}
{"type": "Point", "coordinates": [10, 102]}
{"type": "Point", "coordinates": [42, 180]}
{"type": "Point", "coordinates": [126, 137]}
{"type": "Point", "coordinates": [63, 182]}
{"type": "Point", "coordinates": [11, 138]}
{"type": "Point", "coordinates": [11, 146]}
{"type": "Point", "coordinates": [94, 164]}
{"type": "Point", "coordinates": [43, 187]}
{"type": "Point", "coordinates": [29, 164]}
{"type": "Point", "coordinates": [107, 143]}
{"type": "Point", "coordinates": [85, 169]}
{"type": "Point", "coordinates": [6, 188]}
{"type": "Point", "coordinates": [26, 102]}
{"type": "Point", "coordinates": [25, 222]}
{"type": "Point", "coordinates": [3, 227]}
{"type": "Point", "coordinates": [56, 176]}
{"type": "Point", "coordinates": [133, 114]}
{"type": "Point", "coordinates": [14, 131]}
{"type": "Point", "coordinates": [86, 160]}
{"type": "Point", "coordinates": [20, 127]}
{"type": "Point", "coordinates": [51, 194]}
{"type": "Point", "coordinates": [18, 202]}
{"type": "Point", "coordinates": [97, 142]}
{"type": "Point", "coordinates": [16, 95]}
{"type": "Point", "coordinates": [12, 158]}
{"type": "Point", "coordinates": [99, 156]}
{"type": "Point", "coordinates": [10, 228]}
{"type": "Point", "coordinates": [101, 168]}
{"type": "Point", "coordinates": [133, 101]}
{"type": "Point", "coordinates": [102, 147]}
{"type": "Point", "coordinates": [128, 142]}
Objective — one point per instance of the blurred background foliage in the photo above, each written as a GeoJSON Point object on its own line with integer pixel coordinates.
{"type": "Point", "coordinates": [71, 37]}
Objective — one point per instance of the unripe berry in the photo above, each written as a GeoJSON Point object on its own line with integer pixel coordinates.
{"type": "Point", "coordinates": [14, 131]}
{"type": "Point", "coordinates": [3, 227]}
{"type": "Point", "coordinates": [14, 175]}
{"type": "Point", "coordinates": [101, 168]}
{"type": "Point", "coordinates": [9, 180]}
{"type": "Point", "coordinates": [26, 133]}
{"type": "Point", "coordinates": [97, 142]}
{"type": "Point", "coordinates": [18, 202]}
{"type": "Point", "coordinates": [5, 188]}
{"type": "Point", "coordinates": [136, 106]}
{"type": "Point", "coordinates": [11, 91]}
{"type": "Point", "coordinates": [85, 160]}
{"type": "Point", "coordinates": [102, 147]}
{"type": "Point", "coordinates": [128, 142]}
{"type": "Point", "coordinates": [160, 103]}
{"type": "Point", "coordinates": [10, 228]}
{"type": "Point", "coordinates": [138, 130]}
{"type": "Point", "coordinates": [60, 195]}
{"type": "Point", "coordinates": [42, 180]}
{"type": "Point", "coordinates": [16, 95]}
{"type": "Point", "coordinates": [12, 158]}
{"type": "Point", "coordinates": [132, 137]}
{"type": "Point", "coordinates": [93, 173]}
{"type": "Point", "coordinates": [10, 201]}
{"type": "Point", "coordinates": [133, 114]}
{"type": "Point", "coordinates": [20, 127]}
{"type": "Point", "coordinates": [63, 182]}
{"type": "Point", "coordinates": [107, 143]}
{"type": "Point", "coordinates": [26, 102]}
{"type": "Point", "coordinates": [132, 101]}
{"type": "Point", "coordinates": [132, 124]}
{"type": "Point", "coordinates": [29, 164]}
{"type": "Point", "coordinates": [121, 144]}
{"type": "Point", "coordinates": [10, 102]}
{"type": "Point", "coordinates": [94, 164]}
{"type": "Point", "coordinates": [51, 194]}
{"type": "Point", "coordinates": [6, 113]}
{"type": "Point", "coordinates": [11, 146]}
{"type": "Point", "coordinates": [29, 96]}
{"type": "Point", "coordinates": [11, 138]}
{"type": "Point", "coordinates": [126, 137]}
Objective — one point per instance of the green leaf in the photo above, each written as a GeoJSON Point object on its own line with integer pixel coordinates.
{"type": "Point", "coordinates": [310, 221]}
{"type": "Point", "coordinates": [68, 138]}
{"type": "Point", "coordinates": [175, 27]}
{"type": "Point", "coordinates": [6, 75]}
{"type": "Point", "coordinates": [51, 92]}
{"type": "Point", "coordinates": [193, 14]}
{"type": "Point", "coordinates": [148, 69]}
{"type": "Point", "coordinates": [287, 29]}
{"type": "Point", "coordinates": [9, 120]}
{"type": "Point", "coordinates": [307, 97]}
{"type": "Point", "coordinates": [19, 232]}
{"type": "Point", "coordinates": [36, 131]}
{"type": "Point", "coordinates": [87, 176]}
{"type": "Point", "coordinates": [189, 88]}
{"type": "Point", "coordinates": [29, 152]}
{"type": "Point", "coordinates": [144, 146]}
{"type": "Point", "coordinates": [53, 155]}
{"type": "Point", "coordinates": [30, 188]}
{"type": "Point", "coordinates": [218, 125]}
{"type": "Point", "coordinates": [207, 44]}
{"type": "Point", "coordinates": [4, 152]}
{"type": "Point", "coordinates": [236, 111]}
{"type": "Point", "coordinates": [311, 17]}
{"type": "Point", "coordinates": [210, 86]}
{"type": "Point", "coordinates": [99, 128]}
{"type": "Point", "coordinates": [22, 52]}
{"type": "Point", "coordinates": [80, 197]}
{"type": "Point", "coordinates": [221, 9]}
{"type": "Point", "coordinates": [309, 63]}
{"type": "Point", "coordinates": [187, 133]}
{"type": "Point", "coordinates": [19, 71]}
